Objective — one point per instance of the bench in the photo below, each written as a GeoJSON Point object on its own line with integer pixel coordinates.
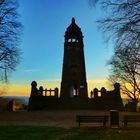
{"type": "Point", "coordinates": [89, 119]}
{"type": "Point", "coordinates": [130, 118]}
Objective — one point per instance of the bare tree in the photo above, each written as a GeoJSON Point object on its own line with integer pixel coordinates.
{"type": "Point", "coordinates": [9, 37]}
{"type": "Point", "coordinates": [122, 22]}
{"type": "Point", "coordinates": [126, 70]}
{"type": "Point", "coordinates": [121, 25]}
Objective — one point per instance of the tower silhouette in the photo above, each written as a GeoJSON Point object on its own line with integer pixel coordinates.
{"type": "Point", "coordinates": [73, 74]}
{"type": "Point", "coordinates": [74, 94]}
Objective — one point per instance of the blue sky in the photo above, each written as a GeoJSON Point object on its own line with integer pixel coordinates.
{"type": "Point", "coordinates": [42, 41]}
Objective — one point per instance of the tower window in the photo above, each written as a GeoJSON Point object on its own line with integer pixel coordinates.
{"type": "Point", "coordinates": [72, 40]}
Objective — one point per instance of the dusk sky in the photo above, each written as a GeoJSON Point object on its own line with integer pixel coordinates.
{"type": "Point", "coordinates": [42, 44]}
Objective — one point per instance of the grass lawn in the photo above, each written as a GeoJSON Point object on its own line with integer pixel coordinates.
{"type": "Point", "coordinates": [57, 133]}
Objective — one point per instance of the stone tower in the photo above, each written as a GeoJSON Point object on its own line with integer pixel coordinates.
{"type": "Point", "coordinates": [73, 82]}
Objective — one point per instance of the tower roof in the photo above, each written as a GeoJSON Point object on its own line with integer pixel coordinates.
{"type": "Point", "coordinates": [73, 29]}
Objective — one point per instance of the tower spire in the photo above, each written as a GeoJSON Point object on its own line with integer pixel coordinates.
{"type": "Point", "coordinates": [73, 20]}
{"type": "Point", "coordinates": [74, 73]}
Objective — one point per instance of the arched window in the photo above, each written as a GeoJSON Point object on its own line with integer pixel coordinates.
{"type": "Point", "coordinates": [72, 40]}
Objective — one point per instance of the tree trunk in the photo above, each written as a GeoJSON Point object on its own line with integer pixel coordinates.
{"type": "Point", "coordinates": [132, 106]}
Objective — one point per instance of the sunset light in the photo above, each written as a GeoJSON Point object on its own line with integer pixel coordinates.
{"type": "Point", "coordinates": [43, 39]}
{"type": "Point", "coordinates": [70, 69]}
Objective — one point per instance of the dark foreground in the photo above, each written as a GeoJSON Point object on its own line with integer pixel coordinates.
{"type": "Point", "coordinates": [57, 118]}
{"type": "Point", "coordinates": [59, 133]}
{"type": "Point", "coordinates": [61, 125]}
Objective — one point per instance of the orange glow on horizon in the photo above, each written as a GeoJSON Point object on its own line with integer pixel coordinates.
{"type": "Point", "coordinates": [17, 90]}
{"type": "Point", "coordinates": [24, 90]}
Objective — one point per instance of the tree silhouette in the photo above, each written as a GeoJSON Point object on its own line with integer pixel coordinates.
{"type": "Point", "coordinates": [126, 70]}
{"type": "Point", "coordinates": [9, 37]}
{"type": "Point", "coordinates": [122, 22]}
{"type": "Point", "coordinates": [122, 26]}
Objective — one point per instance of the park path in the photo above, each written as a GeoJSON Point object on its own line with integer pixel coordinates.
{"type": "Point", "coordinates": [60, 118]}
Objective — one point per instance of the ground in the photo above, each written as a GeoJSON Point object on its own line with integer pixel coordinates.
{"type": "Point", "coordinates": [61, 125]}
{"type": "Point", "coordinates": [58, 118]}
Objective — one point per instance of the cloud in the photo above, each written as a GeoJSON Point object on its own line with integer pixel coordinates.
{"type": "Point", "coordinates": [57, 80]}
{"type": "Point", "coordinates": [50, 80]}
{"type": "Point", "coordinates": [31, 70]}
{"type": "Point", "coordinates": [91, 81]}
{"type": "Point", "coordinates": [97, 84]}
{"type": "Point", "coordinates": [53, 80]}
